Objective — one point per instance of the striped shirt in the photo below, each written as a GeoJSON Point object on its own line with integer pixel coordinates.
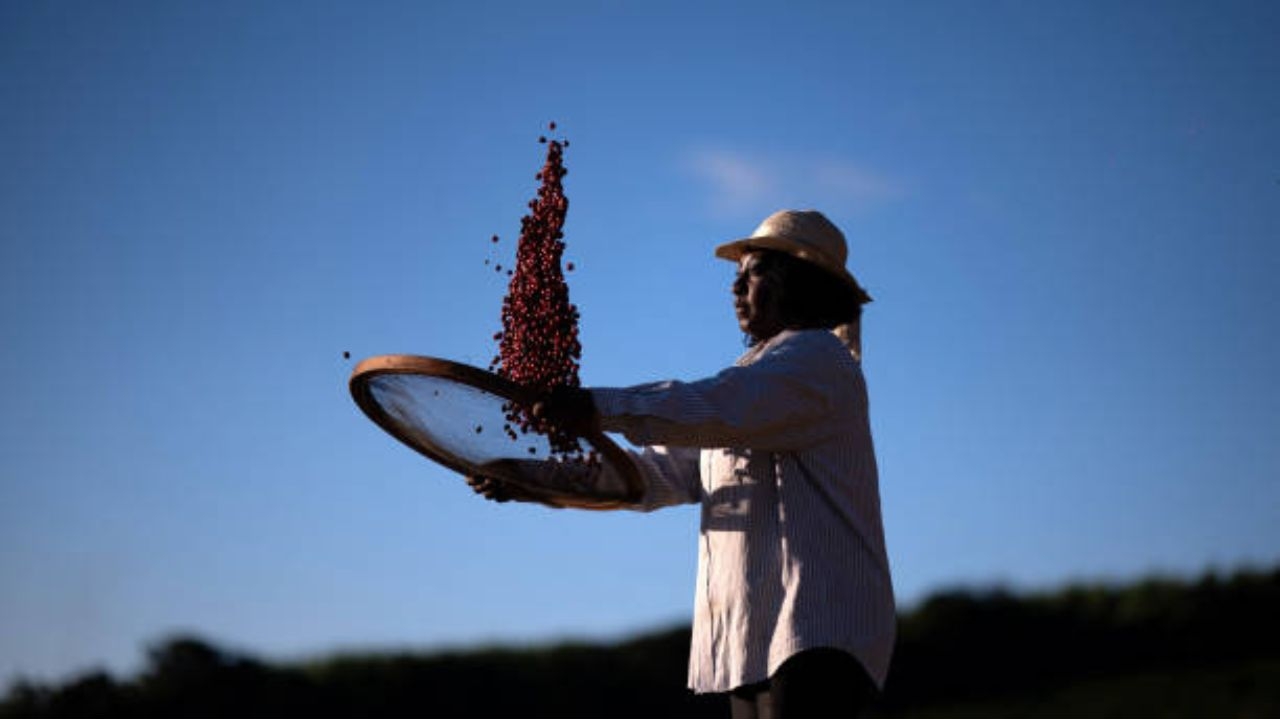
{"type": "Point", "coordinates": [791, 553]}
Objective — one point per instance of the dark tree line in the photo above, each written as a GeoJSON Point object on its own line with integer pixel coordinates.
{"type": "Point", "coordinates": [983, 645]}
{"type": "Point", "coordinates": [957, 647]}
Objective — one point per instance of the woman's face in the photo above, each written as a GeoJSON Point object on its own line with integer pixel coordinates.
{"type": "Point", "coordinates": [755, 299]}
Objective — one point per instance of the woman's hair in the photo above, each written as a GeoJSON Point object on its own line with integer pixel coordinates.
{"type": "Point", "coordinates": [809, 296]}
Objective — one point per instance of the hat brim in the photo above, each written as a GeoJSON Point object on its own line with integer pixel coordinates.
{"type": "Point", "coordinates": [733, 251]}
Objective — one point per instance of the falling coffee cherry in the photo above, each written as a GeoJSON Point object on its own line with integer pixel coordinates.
{"type": "Point", "coordinates": [539, 347]}
{"type": "Point", "coordinates": [346, 355]}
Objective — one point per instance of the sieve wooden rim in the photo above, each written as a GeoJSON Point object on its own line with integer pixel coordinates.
{"type": "Point", "coordinates": [501, 387]}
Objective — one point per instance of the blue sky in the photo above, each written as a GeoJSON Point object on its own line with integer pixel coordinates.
{"type": "Point", "coordinates": [1068, 214]}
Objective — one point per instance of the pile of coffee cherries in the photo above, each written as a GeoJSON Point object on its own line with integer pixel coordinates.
{"type": "Point", "coordinates": [538, 346]}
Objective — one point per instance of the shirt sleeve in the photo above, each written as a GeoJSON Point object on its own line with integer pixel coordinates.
{"type": "Point", "coordinates": [787, 399]}
{"type": "Point", "coordinates": [671, 476]}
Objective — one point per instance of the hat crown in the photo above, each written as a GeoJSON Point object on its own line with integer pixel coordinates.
{"type": "Point", "coordinates": [811, 230]}
{"type": "Point", "coordinates": [806, 234]}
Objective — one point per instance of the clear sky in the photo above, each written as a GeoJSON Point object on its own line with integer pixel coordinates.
{"type": "Point", "coordinates": [1069, 215]}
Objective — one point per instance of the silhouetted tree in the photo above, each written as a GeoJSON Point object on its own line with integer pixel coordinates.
{"type": "Point", "coordinates": [1154, 647]}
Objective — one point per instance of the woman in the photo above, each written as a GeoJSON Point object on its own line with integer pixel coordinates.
{"type": "Point", "coordinates": [794, 609]}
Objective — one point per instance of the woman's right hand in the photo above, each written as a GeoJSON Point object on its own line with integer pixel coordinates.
{"type": "Point", "coordinates": [570, 408]}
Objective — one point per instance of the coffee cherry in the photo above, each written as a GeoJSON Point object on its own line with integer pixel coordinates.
{"type": "Point", "coordinates": [538, 346]}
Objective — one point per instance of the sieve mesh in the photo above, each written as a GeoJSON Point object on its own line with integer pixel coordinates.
{"type": "Point", "coordinates": [451, 417]}
{"type": "Point", "coordinates": [454, 414]}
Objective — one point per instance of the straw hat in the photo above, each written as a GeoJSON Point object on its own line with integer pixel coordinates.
{"type": "Point", "coordinates": [805, 234]}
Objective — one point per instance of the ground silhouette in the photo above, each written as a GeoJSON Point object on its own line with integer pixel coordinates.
{"type": "Point", "coordinates": [1157, 647]}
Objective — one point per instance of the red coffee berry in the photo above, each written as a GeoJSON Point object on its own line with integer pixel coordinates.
{"type": "Point", "coordinates": [538, 346]}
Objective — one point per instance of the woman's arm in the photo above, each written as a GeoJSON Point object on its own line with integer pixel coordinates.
{"type": "Point", "coordinates": [795, 395]}
{"type": "Point", "coordinates": [670, 476]}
